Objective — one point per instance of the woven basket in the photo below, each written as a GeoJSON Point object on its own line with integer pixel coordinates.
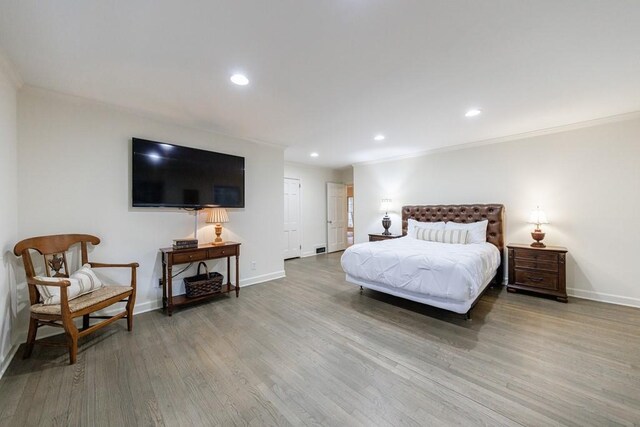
{"type": "Point", "coordinates": [203, 284]}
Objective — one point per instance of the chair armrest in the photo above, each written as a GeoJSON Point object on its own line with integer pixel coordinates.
{"type": "Point", "coordinates": [132, 266]}
{"type": "Point", "coordinates": [100, 265]}
{"type": "Point", "coordinates": [63, 283]}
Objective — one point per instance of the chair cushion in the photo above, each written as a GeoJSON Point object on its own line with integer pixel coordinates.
{"type": "Point", "coordinates": [84, 301]}
{"type": "Point", "coordinates": [81, 282]}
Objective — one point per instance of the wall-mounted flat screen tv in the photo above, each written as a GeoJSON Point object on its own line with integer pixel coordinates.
{"type": "Point", "coordinates": [167, 175]}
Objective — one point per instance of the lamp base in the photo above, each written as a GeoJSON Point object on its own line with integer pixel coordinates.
{"type": "Point", "coordinates": [538, 236]}
{"type": "Point", "coordinates": [218, 240]}
{"type": "Point", "coordinates": [386, 223]}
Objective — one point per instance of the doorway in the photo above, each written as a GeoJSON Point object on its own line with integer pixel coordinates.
{"type": "Point", "coordinates": [292, 223]}
{"type": "Point", "coordinates": [336, 217]}
{"type": "Point", "coordinates": [350, 215]}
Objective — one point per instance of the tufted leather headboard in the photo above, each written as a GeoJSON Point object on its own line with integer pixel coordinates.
{"type": "Point", "coordinates": [461, 213]}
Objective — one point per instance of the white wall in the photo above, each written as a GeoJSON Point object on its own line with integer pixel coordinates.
{"type": "Point", "coordinates": [313, 201]}
{"type": "Point", "coordinates": [586, 180]}
{"type": "Point", "coordinates": [8, 209]}
{"type": "Point", "coordinates": [346, 175]}
{"type": "Point", "coordinates": [74, 176]}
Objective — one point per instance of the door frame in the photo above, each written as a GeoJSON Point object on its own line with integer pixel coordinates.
{"type": "Point", "coordinates": [326, 197]}
{"type": "Point", "coordinates": [299, 214]}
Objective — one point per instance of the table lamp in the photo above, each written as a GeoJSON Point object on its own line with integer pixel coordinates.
{"type": "Point", "coordinates": [385, 205]}
{"type": "Point", "coordinates": [217, 216]}
{"type": "Point", "coordinates": [538, 217]}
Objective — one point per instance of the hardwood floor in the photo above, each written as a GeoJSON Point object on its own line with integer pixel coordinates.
{"type": "Point", "coordinates": [312, 349]}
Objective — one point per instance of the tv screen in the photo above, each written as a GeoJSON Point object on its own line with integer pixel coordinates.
{"type": "Point", "coordinates": [167, 175]}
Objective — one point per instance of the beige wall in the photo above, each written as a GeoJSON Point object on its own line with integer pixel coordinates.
{"type": "Point", "coordinates": [74, 176]}
{"type": "Point", "coordinates": [587, 181]}
{"type": "Point", "coordinates": [313, 202]}
{"type": "Point", "coordinates": [8, 211]}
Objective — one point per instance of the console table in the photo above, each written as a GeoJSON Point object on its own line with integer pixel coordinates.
{"type": "Point", "coordinates": [171, 257]}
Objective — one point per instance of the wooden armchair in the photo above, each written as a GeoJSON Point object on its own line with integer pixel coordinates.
{"type": "Point", "coordinates": [53, 249]}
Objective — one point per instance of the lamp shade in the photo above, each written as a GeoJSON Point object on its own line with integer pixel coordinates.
{"type": "Point", "coordinates": [217, 216]}
{"type": "Point", "coordinates": [385, 205]}
{"type": "Point", "coordinates": [538, 217]}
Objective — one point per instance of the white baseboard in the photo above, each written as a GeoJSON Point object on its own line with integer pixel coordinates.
{"type": "Point", "coordinates": [308, 254]}
{"type": "Point", "coordinates": [4, 363]}
{"type": "Point", "coordinates": [602, 297]}
{"type": "Point", "coordinates": [262, 278]}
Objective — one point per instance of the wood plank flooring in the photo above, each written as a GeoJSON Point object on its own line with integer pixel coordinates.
{"type": "Point", "coordinates": [311, 349]}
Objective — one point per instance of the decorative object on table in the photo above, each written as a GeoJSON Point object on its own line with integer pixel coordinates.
{"type": "Point", "coordinates": [538, 217]}
{"type": "Point", "coordinates": [185, 243]}
{"type": "Point", "coordinates": [203, 283]}
{"type": "Point", "coordinates": [217, 216]}
{"type": "Point", "coordinates": [385, 205]}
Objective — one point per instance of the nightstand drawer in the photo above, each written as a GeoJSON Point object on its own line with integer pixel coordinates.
{"type": "Point", "coordinates": [537, 279]}
{"type": "Point", "coordinates": [536, 265]}
{"type": "Point", "coordinates": [536, 255]}
{"type": "Point", "coordinates": [184, 257]}
{"type": "Point", "coordinates": [379, 237]}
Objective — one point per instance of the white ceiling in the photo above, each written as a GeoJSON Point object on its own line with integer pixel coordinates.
{"type": "Point", "coordinates": [328, 75]}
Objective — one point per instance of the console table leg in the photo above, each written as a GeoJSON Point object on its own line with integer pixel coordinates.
{"type": "Point", "coordinates": [164, 283]}
{"type": "Point", "coordinates": [237, 276]}
{"type": "Point", "coordinates": [170, 289]}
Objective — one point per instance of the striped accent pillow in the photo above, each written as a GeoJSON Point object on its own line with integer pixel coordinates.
{"type": "Point", "coordinates": [81, 282]}
{"type": "Point", "coordinates": [457, 236]}
{"type": "Point", "coordinates": [88, 279]}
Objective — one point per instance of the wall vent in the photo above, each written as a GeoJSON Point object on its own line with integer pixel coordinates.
{"type": "Point", "coordinates": [321, 250]}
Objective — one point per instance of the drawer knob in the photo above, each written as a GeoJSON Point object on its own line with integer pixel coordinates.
{"type": "Point", "coordinates": [222, 251]}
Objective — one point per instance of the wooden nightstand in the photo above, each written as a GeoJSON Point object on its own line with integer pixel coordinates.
{"type": "Point", "coordinates": [377, 237]}
{"type": "Point", "coordinates": [541, 270]}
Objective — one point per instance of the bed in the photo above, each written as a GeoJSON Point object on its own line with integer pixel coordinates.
{"type": "Point", "coordinates": [448, 276]}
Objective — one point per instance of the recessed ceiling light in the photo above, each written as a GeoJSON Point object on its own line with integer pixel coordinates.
{"type": "Point", "coordinates": [472, 113]}
{"type": "Point", "coordinates": [314, 154]}
{"type": "Point", "coordinates": [379, 137]}
{"type": "Point", "coordinates": [240, 79]}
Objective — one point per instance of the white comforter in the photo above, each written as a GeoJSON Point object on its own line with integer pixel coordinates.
{"type": "Point", "coordinates": [441, 270]}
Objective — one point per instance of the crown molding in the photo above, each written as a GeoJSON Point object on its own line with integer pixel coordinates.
{"type": "Point", "coordinates": [7, 67]}
{"type": "Point", "coordinates": [509, 138]}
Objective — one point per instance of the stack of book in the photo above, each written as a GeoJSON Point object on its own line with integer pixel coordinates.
{"type": "Point", "coordinates": [185, 243]}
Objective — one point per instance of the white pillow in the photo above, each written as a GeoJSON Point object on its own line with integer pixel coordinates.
{"type": "Point", "coordinates": [477, 230]}
{"type": "Point", "coordinates": [412, 225]}
{"type": "Point", "coordinates": [88, 279]}
{"type": "Point", "coordinates": [81, 282]}
{"type": "Point", "coordinates": [458, 236]}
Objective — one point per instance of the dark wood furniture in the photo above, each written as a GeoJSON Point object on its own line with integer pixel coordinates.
{"type": "Point", "coordinates": [375, 237]}
{"type": "Point", "coordinates": [62, 315]}
{"type": "Point", "coordinates": [171, 257]}
{"type": "Point", "coordinates": [541, 270]}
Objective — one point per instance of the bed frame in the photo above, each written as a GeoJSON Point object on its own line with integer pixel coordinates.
{"type": "Point", "coordinates": [494, 213]}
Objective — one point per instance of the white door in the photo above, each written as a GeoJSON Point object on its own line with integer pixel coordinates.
{"type": "Point", "coordinates": [336, 217]}
{"type": "Point", "coordinates": [292, 248]}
